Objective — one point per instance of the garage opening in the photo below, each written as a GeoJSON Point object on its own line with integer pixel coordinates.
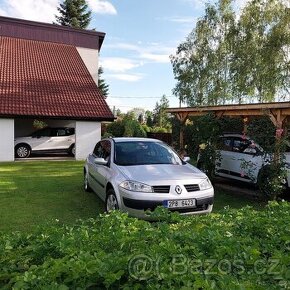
{"type": "Point", "coordinates": [44, 139]}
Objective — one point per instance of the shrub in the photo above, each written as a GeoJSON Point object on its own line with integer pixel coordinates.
{"type": "Point", "coordinates": [159, 130]}
{"type": "Point", "coordinates": [235, 249]}
{"type": "Point", "coordinates": [126, 128]}
{"type": "Point", "coordinates": [116, 129]}
{"type": "Point", "coordinates": [272, 180]}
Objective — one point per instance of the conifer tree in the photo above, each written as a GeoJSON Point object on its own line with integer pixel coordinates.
{"type": "Point", "coordinates": [74, 13]}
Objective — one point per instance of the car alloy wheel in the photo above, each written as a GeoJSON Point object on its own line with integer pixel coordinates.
{"type": "Point", "coordinates": [111, 201]}
{"type": "Point", "coordinates": [22, 151]}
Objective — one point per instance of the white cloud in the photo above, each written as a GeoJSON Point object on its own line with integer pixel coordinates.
{"type": "Point", "coordinates": [37, 10]}
{"type": "Point", "coordinates": [102, 7]}
{"type": "Point", "coordinates": [45, 10]}
{"type": "Point", "coordinates": [125, 77]}
{"type": "Point", "coordinates": [153, 52]}
{"type": "Point", "coordinates": [179, 19]}
{"type": "Point", "coordinates": [197, 4]}
{"type": "Point", "coordinates": [123, 46]}
{"type": "Point", "coordinates": [118, 64]}
{"type": "Point", "coordinates": [160, 58]}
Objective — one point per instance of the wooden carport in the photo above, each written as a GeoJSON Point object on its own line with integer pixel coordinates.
{"type": "Point", "coordinates": [278, 112]}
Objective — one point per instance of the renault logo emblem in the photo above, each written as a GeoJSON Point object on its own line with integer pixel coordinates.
{"type": "Point", "coordinates": [178, 189]}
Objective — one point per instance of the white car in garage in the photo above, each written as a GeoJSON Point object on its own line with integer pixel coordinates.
{"type": "Point", "coordinates": [137, 174]}
{"type": "Point", "coordinates": [46, 140]}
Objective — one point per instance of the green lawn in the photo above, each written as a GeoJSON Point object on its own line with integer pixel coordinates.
{"type": "Point", "coordinates": [36, 192]}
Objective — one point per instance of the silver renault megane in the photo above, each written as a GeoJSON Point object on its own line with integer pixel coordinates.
{"type": "Point", "coordinates": [137, 174]}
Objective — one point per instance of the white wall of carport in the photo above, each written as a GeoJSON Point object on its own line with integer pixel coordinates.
{"type": "Point", "coordinates": [91, 59]}
{"type": "Point", "coordinates": [7, 140]}
{"type": "Point", "coordinates": [87, 135]}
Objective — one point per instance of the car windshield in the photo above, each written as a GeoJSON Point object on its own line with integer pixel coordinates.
{"type": "Point", "coordinates": [140, 153]}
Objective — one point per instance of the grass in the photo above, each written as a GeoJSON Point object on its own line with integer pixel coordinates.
{"type": "Point", "coordinates": [36, 192]}
{"type": "Point", "coordinates": [33, 193]}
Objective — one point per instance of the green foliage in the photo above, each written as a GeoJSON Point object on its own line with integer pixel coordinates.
{"type": "Point", "coordinates": [271, 180]}
{"type": "Point", "coordinates": [149, 118]}
{"type": "Point", "coordinates": [159, 130]}
{"type": "Point", "coordinates": [262, 130]}
{"type": "Point", "coordinates": [74, 13]}
{"type": "Point", "coordinates": [272, 177]}
{"type": "Point", "coordinates": [201, 137]}
{"type": "Point", "coordinates": [102, 84]}
{"type": "Point", "coordinates": [116, 129]}
{"type": "Point", "coordinates": [244, 249]}
{"type": "Point", "coordinates": [127, 127]}
{"type": "Point", "coordinates": [231, 125]}
{"type": "Point", "coordinates": [160, 117]}
{"type": "Point", "coordinates": [39, 124]}
{"type": "Point", "coordinates": [146, 128]}
{"type": "Point", "coordinates": [230, 58]}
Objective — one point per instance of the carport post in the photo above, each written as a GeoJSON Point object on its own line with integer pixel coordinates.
{"type": "Point", "coordinates": [277, 120]}
{"type": "Point", "coordinates": [182, 117]}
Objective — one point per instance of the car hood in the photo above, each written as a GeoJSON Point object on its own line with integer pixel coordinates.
{"type": "Point", "coordinates": [20, 139]}
{"type": "Point", "coordinates": [157, 172]}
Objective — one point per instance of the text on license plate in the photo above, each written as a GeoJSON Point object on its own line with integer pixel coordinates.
{"type": "Point", "coordinates": [179, 203]}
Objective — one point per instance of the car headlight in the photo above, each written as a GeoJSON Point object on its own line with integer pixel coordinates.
{"type": "Point", "coordinates": [136, 186]}
{"type": "Point", "coordinates": [205, 184]}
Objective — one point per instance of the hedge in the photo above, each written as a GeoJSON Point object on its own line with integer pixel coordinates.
{"type": "Point", "coordinates": [234, 249]}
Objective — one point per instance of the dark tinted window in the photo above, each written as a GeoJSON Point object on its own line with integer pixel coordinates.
{"type": "Point", "coordinates": [239, 144]}
{"type": "Point", "coordinates": [46, 132]}
{"type": "Point", "coordinates": [138, 153]}
{"type": "Point", "coordinates": [69, 131]}
{"type": "Point", "coordinates": [103, 149]}
{"type": "Point", "coordinates": [225, 143]}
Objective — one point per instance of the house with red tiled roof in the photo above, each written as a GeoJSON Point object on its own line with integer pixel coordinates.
{"type": "Point", "coordinates": [49, 73]}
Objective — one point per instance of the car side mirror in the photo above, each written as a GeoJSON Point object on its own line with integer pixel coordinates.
{"type": "Point", "coordinates": [186, 159]}
{"type": "Point", "coordinates": [100, 161]}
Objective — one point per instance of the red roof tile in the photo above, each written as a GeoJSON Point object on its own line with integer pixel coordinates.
{"type": "Point", "coordinates": [45, 79]}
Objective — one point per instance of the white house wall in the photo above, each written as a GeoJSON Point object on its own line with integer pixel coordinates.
{"type": "Point", "coordinates": [87, 135]}
{"type": "Point", "coordinates": [7, 140]}
{"type": "Point", "coordinates": [90, 58]}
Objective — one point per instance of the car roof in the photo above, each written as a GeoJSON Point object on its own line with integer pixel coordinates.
{"type": "Point", "coordinates": [64, 127]}
{"type": "Point", "coordinates": [134, 139]}
{"type": "Point", "coordinates": [232, 135]}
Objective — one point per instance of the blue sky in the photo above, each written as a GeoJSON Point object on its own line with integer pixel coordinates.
{"type": "Point", "coordinates": [140, 36]}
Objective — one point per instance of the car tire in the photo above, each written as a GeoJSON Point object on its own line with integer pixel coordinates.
{"type": "Point", "coordinates": [87, 187]}
{"type": "Point", "coordinates": [72, 150]}
{"type": "Point", "coordinates": [111, 201]}
{"type": "Point", "coordinates": [22, 151]}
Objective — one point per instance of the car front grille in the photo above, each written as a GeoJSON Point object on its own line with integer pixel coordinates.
{"type": "Point", "coordinates": [161, 188]}
{"type": "Point", "coordinates": [191, 187]}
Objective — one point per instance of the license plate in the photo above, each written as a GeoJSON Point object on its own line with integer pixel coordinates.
{"type": "Point", "coordinates": [179, 203]}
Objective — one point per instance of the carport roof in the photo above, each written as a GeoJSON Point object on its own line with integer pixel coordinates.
{"type": "Point", "coordinates": [46, 79]}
